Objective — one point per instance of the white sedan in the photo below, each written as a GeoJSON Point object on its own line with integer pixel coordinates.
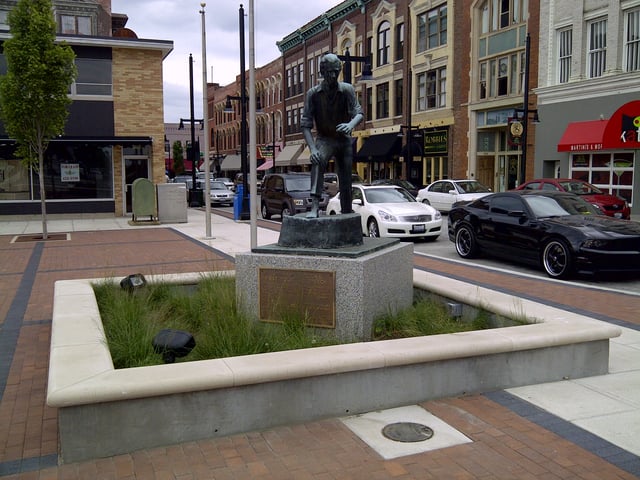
{"type": "Point", "coordinates": [220, 194]}
{"type": "Point", "coordinates": [389, 211]}
{"type": "Point", "coordinates": [442, 194]}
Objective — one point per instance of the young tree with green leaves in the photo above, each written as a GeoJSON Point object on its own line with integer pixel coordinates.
{"type": "Point", "coordinates": [34, 94]}
{"type": "Point", "coordinates": [178, 158]}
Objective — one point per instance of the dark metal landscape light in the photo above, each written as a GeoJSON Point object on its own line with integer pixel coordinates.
{"type": "Point", "coordinates": [132, 282]}
{"type": "Point", "coordinates": [172, 344]}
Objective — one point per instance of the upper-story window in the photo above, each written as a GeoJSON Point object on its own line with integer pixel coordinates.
{"type": "Point", "coordinates": [501, 76]}
{"type": "Point", "coordinates": [432, 91]}
{"type": "Point", "coordinates": [597, 51]}
{"type": "Point", "coordinates": [632, 41]}
{"type": "Point", "coordinates": [400, 41]}
{"type": "Point", "coordinates": [94, 77]}
{"type": "Point", "coordinates": [565, 41]}
{"type": "Point", "coordinates": [498, 14]}
{"type": "Point", "coordinates": [382, 100]}
{"type": "Point", "coordinates": [384, 43]}
{"type": "Point", "coordinates": [75, 24]}
{"type": "Point", "coordinates": [4, 25]}
{"type": "Point", "coordinates": [432, 28]}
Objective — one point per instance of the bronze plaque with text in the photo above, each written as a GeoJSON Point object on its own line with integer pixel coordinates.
{"type": "Point", "coordinates": [308, 293]}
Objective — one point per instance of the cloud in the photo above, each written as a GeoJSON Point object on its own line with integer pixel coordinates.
{"type": "Point", "coordinates": [181, 22]}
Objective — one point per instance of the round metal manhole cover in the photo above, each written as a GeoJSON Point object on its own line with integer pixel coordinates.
{"type": "Point", "coordinates": [407, 432]}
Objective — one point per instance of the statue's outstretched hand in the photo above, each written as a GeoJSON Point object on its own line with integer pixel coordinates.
{"type": "Point", "coordinates": [315, 156]}
{"type": "Point", "coordinates": [344, 128]}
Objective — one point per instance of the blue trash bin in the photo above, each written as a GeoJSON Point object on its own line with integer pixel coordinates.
{"type": "Point", "coordinates": [237, 204]}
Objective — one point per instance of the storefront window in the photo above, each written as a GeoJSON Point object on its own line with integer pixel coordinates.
{"type": "Point", "coordinates": [72, 172]}
{"type": "Point", "coordinates": [610, 172]}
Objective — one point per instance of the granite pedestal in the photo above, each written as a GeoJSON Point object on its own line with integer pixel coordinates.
{"type": "Point", "coordinates": [340, 289]}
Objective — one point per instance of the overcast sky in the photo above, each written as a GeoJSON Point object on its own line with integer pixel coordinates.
{"type": "Point", "coordinates": [181, 22]}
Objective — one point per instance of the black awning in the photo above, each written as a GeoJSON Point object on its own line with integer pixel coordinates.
{"type": "Point", "coordinates": [416, 149]}
{"type": "Point", "coordinates": [379, 148]}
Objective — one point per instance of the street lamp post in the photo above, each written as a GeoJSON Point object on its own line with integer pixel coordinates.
{"type": "Point", "coordinates": [523, 113]}
{"type": "Point", "coordinates": [194, 155]}
{"type": "Point", "coordinates": [205, 103]}
{"type": "Point", "coordinates": [348, 59]}
{"type": "Point", "coordinates": [242, 98]}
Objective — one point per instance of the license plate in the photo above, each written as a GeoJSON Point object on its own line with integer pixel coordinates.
{"type": "Point", "coordinates": [418, 229]}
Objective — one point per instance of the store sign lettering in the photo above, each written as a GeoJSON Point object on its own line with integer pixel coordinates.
{"type": "Point", "coordinates": [630, 129]}
{"type": "Point", "coordinates": [435, 142]}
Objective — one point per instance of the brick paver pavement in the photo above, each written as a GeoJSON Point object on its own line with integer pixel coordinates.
{"type": "Point", "coordinates": [505, 444]}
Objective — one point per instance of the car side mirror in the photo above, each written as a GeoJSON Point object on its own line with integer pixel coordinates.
{"type": "Point", "coordinates": [356, 201]}
{"type": "Point", "coordinates": [452, 192]}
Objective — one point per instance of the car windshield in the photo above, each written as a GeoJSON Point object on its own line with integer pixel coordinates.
{"type": "Point", "coordinates": [472, 187]}
{"type": "Point", "coordinates": [580, 188]}
{"type": "Point", "coordinates": [298, 184]}
{"type": "Point", "coordinates": [218, 186]}
{"type": "Point", "coordinates": [224, 179]}
{"type": "Point", "coordinates": [388, 195]}
{"type": "Point", "coordinates": [542, 206]}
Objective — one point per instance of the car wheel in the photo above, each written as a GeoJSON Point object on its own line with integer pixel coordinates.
{"type": "Point", "coordinates": [285, 211]}
{"type": "Point", "coordinates": [465, 240]}
{"type": "Point", "coordinates": [557, 259]}
{"type": "Point", "coordinates": [372, 228]}
{"type": "Point", "coordinates": [265, 211]}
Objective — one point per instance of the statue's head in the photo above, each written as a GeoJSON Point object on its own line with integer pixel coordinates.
{"type": "Point", "coordinates": [330, 61]}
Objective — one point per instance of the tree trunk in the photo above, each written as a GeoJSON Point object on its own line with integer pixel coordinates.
{"type": "Point", "coordinates": [43, 204]}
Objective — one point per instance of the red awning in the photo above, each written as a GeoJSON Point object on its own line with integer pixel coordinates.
{"type": "Point", "coordinates": [583, 136]}
{"type": "Point", "coordinates": [266, 165]}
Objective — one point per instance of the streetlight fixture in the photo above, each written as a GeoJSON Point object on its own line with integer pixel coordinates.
{"type": "Point", "coordinates": [522, 114]}
{"type": "Point", "coordinates": [205, 104]}
{"type": "Point", "coordinates": [193, 201]}
{"type": "Point", "coordinates": [348, 59]}
{"type": "Point", "coordinates": [244, 101]}
{"type": "Point", "coordinates": [408, 154]}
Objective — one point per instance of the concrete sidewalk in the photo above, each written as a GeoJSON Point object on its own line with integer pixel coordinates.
{"type": "Point", "coordinates": [585, 428]}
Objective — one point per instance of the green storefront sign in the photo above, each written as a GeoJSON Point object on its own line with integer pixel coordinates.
{"type": "Point", "coordinates": [435, 142]}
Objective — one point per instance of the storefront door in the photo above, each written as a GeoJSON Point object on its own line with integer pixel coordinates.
{"type": "Point", "coordinates": [134, 167]}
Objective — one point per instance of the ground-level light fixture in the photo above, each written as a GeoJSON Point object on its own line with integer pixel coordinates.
{"type": "Point", "coordinates": [172, 344]}
{"type": "Point", "coordinates": [133, 282]}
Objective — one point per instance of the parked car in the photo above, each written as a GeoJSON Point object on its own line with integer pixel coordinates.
{"type": "Point", "coordinates": [331, 185]}
{"type": "Point", "coordinates": [187, 179]}
{"type": "Point", "coordinates": [227, 182]}
{"type": "Point", "coordinates": [219, 194]}
{"type": "Point", "coordinates": [442, 194]}
{"type": "Point", "coordinates": [558, 231]}
{"type": "Point", "coordinates": [407, 185]}
{"type": "Point", "coordinates": [390, 211]}
{"type": "Point", "coordinates": [287, 194]}
{"type": "Point", "coordinates": [610, 205]}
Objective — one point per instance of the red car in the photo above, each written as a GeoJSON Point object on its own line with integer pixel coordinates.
{"type": "Point", "coordinates": [610, 205]}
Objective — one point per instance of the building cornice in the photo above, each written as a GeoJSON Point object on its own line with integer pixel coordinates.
{"type": "Point", "coordinates": [317, 25]}
{"type": "Point", "coordinates": [617, 84]}
{"type": "Point", "coordinates": [165, 46]}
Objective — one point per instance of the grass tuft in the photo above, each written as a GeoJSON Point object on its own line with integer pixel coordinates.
{"type": "Point", "coordinates": [209, 312]}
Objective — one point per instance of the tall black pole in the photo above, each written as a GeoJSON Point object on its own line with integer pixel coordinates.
{"type": "Point", "coordinates": [525, 110]}
{"type": "Point", "coordinates": [273, 141]}
{"type": "Point", "coordinates": [194, 201]}
{"type": "Point", "coordinates": [347, 67]}
{"type": "Point", "coordinates": [409, 146]}
{"type": "Point", "coordinates": [244, 213]}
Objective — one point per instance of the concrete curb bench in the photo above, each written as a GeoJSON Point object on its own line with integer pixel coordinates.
{"type": "Point", "coordinates": [105, 412]}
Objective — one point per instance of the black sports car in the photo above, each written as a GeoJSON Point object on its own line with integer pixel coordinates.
{"type": "Point", "coordinates": [557, 230]}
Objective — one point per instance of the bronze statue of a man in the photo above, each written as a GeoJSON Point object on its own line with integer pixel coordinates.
{"type": "Point", "coordinates": [334, 108]}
